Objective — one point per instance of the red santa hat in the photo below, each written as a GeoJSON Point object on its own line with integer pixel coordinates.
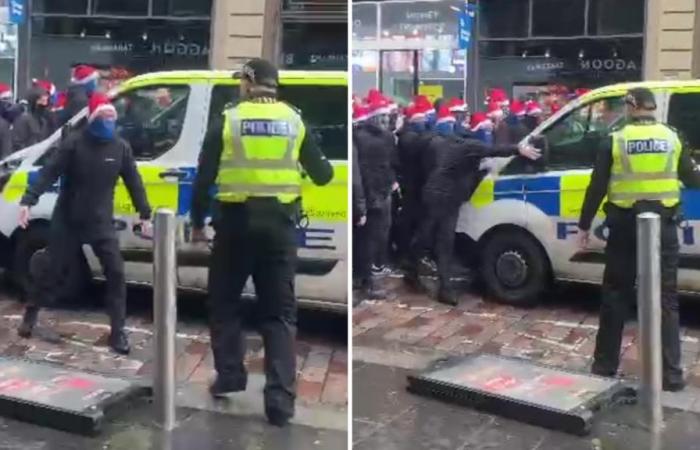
{"type": "Point", "coordinates": [554, 107]}
{"type": "Point", "coordinates": [99, 103]}
{"type": "Point", "coordinates": [532, 108]}
{"type": "Point", "coordinates": [517, 108]}
{"type": "Point", "coordinates": [5, 91]}
{"type": "Point", "coordinates": [498, 96]}
{"type": "Point", "coordinates": [480, 121]}
{"type": "Point", "coordinates": [83, 74]}
{"type": "Point", "coordinates": [494, 110]}
{"type": "Point", "coordinates": [46, 85]}
{"type": "Point", "coordinates": [580, 92]}
{"type": "Point", "coordinates": [444, 115]}
{"type": "Point", "coordinates": [424, 104]}
{"type": "Point", "coordinates": [414, 113]}
{"type": "Point", "coordinates": [378, 107]}
{"type": "Point", "coordinates": [360, 113]}
{"type": "Point", "coordinates": [457, 105]}
{"type": "Point", "coordinates": [373, 96]}
{"type": "Point", "coordinates": [61, 101]}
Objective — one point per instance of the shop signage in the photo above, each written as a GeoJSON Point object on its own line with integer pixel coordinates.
{"type": "Point", "coordinates": [169, 48]}
{"type": "Point", "coordinates": [17, 11]}
{"type": "Point", "coordinates": [364, 21]}
{"type": "Point", "coordinates": [421, 19]}
{"type": "Point", "coordinates": [611, 65]}
{"type": "Point", "coordinates": [545, 66]}
{"type": "Point", "coordinates": [466, 23]}
{"type": "Point", "coordinates": [432, 91]}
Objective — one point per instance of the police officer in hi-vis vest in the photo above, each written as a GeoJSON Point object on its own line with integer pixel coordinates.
{"type": "Point", "coordinates": [640, 169]}
{"type": "Point", "coordinates": [255, 155]}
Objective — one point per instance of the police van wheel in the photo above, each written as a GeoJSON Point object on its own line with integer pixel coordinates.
{"type": "Point", "coordinates": [514, 267]}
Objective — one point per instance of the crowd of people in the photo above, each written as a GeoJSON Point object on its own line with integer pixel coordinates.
{"type": "Point", "coordinates": [414, 167]}
{"type": "Point", "coordinates": [35, 116]}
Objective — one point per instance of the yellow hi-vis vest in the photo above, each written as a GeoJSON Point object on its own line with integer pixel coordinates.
{"type": "Point", "coordinates": [645, 165]}
{"type": "Point", "coordinates": [261, 144]}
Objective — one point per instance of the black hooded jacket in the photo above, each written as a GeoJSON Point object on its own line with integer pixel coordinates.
{"type": "Point", "coordinates": [411, 155]}
{"type": "Point", "coordinates": [456, 174]}
{"type": "Point", "coordinates": [376, 153]}
{"type": "Point", "coordinates": [76, 100]}
{"type": "Point", "coordinates": [34, 125]}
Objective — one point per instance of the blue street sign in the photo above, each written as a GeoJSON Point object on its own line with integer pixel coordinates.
{"type": "Point", "coordinates": [466, 25]}
{"type": "Point", "coordinates": [17, 11]}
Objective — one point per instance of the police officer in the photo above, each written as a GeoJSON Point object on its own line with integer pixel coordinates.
{"type": "Point", "coordinates": [639, 169]}
{"type": "Point", "coordinates": [253, 157]}
{"type": "Point", "coordinates": [89, 162]}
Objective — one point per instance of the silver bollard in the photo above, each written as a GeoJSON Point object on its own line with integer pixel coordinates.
{"type": "Point", "coordinates": [649, 313]}
{"type": "Point", "coordinates": [164, 317]}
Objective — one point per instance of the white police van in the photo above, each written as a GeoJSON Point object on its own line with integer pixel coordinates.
{"type": "Point", "coordinates": [523, 216]}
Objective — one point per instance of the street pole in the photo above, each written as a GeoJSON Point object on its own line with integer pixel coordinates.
{"type": "Point", "coordinates": [649, 312]}
{"type": "Point", "coordinates": [165, 318]}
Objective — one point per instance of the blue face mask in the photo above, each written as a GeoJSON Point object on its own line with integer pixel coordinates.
{"type": "Point", "coordinates": [445, 128]}
{"type": "Point", "coordinates": [430, 120]}
{"type": "Point", "coordinates": [103, 129]}
{"type": "Point", "coordinates": [90, 87]}
{"type": "Point", "coordinates": [417, 127]}
{"type": "Point", "coordinates": [484, 136]}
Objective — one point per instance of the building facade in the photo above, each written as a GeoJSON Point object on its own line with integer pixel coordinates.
{"type": "Point", "coordinates": [296, 34]}
{"type": "Point", "coordinates": [523, 46]}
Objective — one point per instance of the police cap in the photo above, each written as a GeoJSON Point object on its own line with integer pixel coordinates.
{"type": "Point", "coordinates": [641, 98]}
{"type": "Point", "coordinates": [259, 71]}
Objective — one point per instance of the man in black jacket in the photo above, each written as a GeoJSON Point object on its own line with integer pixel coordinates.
{"type": "Point", "coordinates": [376, 153]}
{"type": "Point", "coordinates": [83, 83]}
{"type": "Point", "coordinates": [89, 164]}
{"type": "Point", "coordinates": [34, 125]}
{"type": "Point", "coordinates": [452, 182]}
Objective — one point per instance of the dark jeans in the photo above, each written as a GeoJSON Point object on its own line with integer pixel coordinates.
{"type": "Point", "coordinates": [372, 240]}
{"type": "Point", "coordinates": [52, 272]}
{"type": "Point", "coordinates": [436, 236]}
{"type": "Point", "coordinates": [619, 295]}
{"type": "Point", "coordinates": [409, 220]}
{"type": "Point", "coordinates": [261, 245]}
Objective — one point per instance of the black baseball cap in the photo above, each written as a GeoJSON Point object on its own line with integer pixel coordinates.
{"type": "Point", "coordinates": [259, 71]}
{"type": "Point", "coordinates": [641, 98]}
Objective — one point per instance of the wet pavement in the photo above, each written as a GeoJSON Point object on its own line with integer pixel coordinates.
{"type": "Point", "coordinates": [387, 417]}
{"type": "Point", "coordinates": [200, 430]}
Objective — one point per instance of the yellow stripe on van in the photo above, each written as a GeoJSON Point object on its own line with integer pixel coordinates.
{"type": "Point", "coordinates": [327, 203]}
{"type": "Point", "coordinates": [15, 187]}
{"type": "Point", "coordinates": [161, 194]}
{"type": "Point", "coordinates": [484, 193]}
{"type": "Point", "coordinates": [572, 192]}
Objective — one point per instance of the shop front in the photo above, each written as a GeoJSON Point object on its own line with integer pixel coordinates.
{"type": "Point", "coordinates": [529, 48]}
{"type": "Point", "coordinates": [121, 38]}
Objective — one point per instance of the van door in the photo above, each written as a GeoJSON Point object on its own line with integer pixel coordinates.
{"type": "Point", "coordinates": [573, 142]}
{"type": "Point", "coordinates": [684, 116]}
{"type": "Point", "coordinates": [157, 121]}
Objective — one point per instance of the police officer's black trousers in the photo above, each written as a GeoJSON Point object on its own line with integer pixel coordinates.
{"type": "Point", "coordinates": [261, 245]}
{"type": "Point", "coordinates": [52, 274]}
{"type": "Point", "coordinates": [372, 240]}
{"type": "Point", "coordinates": [619, 295]}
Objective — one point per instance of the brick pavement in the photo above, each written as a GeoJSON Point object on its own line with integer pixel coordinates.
{"type": "Point", "coordinates": [559, 332]}
{"type": "Point", "coordinates": [322, 366]}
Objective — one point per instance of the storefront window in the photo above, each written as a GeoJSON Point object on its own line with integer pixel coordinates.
{"type": "Point", "coordinates": [616, 17]}
{"type": "Point", "coordinates": [60, 6]}
{"type": "Point", "coordinates": [504, 18]}
{"type": "Point", "coordinates": [365, 70]}
{"type": "Point", "coordinates": [182, 7]}
{"type": "Point", "coordinates": [558, 17]}
{"type": "Point", "coordinates": [315, 46]}
{"type": "Point", "coordinates": [121, 7]}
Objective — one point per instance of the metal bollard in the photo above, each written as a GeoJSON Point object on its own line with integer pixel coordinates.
{"type": "Point", "coordinates": [649, 313]}
{"type": "Point", "coordinates": [164, 317]}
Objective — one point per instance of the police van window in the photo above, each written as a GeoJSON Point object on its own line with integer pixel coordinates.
{"type": "Point", "coordinates": [574, 140]}
{"type": "Point", "coordinates": [151, 118]}
{"type": "Point", "coordinates": [684, 116]}
{"type": "Point", "coordinates": [324, 110]}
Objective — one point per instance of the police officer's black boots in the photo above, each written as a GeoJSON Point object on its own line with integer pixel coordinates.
{"type": "Point", "coordinates": [223, 386]}
{"type": "Point", "coordinates": [29, 328]}
{"type": "Point", "coordinates": [119, 342]}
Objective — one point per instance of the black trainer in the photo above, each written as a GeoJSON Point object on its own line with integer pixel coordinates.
{"type": "Point", "coordinates": [447, 297]}
{"type": "Point", "coordinates": [119, 342]}
{"type": "Point", "coordinates": [222, 387]}
{"type": "Point", "coordinates": [29, 320]}
{"type": "Point", "coordinates": [673, 386]}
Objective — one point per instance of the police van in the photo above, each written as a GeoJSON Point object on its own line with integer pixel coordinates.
{"type": "Point", "coordinates": [523, 216]}
{"type": "Point", "coordinates": [165, 117]}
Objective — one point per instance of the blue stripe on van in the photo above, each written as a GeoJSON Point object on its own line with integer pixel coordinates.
{"type": "Point", "coordinates": [690, 199]}
{"type": "Point", "coordinates": [185, 191]}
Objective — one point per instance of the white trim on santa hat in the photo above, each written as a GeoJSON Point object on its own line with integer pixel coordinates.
{"type": "Point", "coordinates": [416, 117]}
{"type": "Point", "coordinates": [446, 119]}
{"type": "Point", "coordinates": [379, 111]}
{"type": "Point", "coordinates": [481, 125]}
{"type": "Point", "coordinates": [495, 114]}
{"type": "Point", "coordinates": [536, 111]}
{"type": "Point", "coordinates": [4, 95]}
{"type": "Point", "coordinates": [103, 107]}
{"type": "Point", "coordinates": [459, 108]}
{"type": "Point", "coordinates": [93, 76]}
